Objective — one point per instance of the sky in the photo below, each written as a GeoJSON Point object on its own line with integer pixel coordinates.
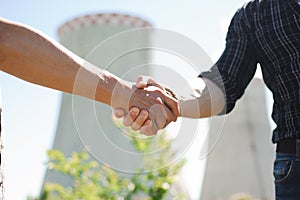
{"type": "Point", "coordinates": [30, 112]}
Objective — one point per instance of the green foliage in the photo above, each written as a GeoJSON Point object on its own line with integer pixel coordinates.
{"type": "Point", "coordinates": [242, 196]}
{"type": "Point", "coordinates": [91, 181]}
{"type": "Point", "coordinates": [94, 182]}
{"type": "Point", "coordinates": [156, 184]}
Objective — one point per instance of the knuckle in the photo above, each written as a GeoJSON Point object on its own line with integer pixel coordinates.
{"type": "Point", "coordinates": [150, 133]}
{"type": "Point", "coordinates": [143, 132]}
{"type": "Point", "coordinates": [159, 93]}
{"type": "Point", "coordinates": [127, 122]}
{"type": "Point", "coordinates": [144, 114]}
{"type": "Point", "coordinates": [135, 127]}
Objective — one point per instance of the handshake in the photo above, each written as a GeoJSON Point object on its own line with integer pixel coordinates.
{"type": "Point", "coordinates": [148, 106]}
{"type": "Point", "coordinates": [151, 106]}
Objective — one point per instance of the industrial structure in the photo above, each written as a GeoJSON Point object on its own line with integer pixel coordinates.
{"type": "Point", "coordinates": [241, 160]}
{"type": "Point", "coordinates": [87, 124]}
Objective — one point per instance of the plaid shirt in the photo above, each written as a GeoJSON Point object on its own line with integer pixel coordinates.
{"type": "Point", "coordinates": [265, 32]}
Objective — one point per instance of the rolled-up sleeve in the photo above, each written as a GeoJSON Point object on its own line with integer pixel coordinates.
{"type": "Point", "coordinates": [237, 65]}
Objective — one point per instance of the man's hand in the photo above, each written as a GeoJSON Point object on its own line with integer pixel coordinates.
{"type": "Point", "coordinates": [149, 121]}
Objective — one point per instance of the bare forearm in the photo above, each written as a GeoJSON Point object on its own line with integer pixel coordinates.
{"type": "Point", "coordinates": [32, 56]}
{"type": "Point", "coordinates": [207, 101]}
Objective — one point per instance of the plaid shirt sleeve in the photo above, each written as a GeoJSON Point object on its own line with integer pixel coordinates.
{"type": "Point", "coordinates": [237, 65]}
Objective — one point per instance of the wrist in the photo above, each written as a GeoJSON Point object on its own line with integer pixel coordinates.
{"type": "Point", "coordinates": [112, 90]}
{"type": "Point", "coordinates": [121, 95]}
{"type": "Point", "coordinates": [180, 101]}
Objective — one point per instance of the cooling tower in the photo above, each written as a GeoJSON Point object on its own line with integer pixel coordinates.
{"type": "Point", "coordinates": [87, 124]}
{"type": "Point", "coordinates": [242, 160]}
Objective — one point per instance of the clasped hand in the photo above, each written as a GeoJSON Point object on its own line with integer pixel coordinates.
{"type": "Point", "coordinates": [151, 107]}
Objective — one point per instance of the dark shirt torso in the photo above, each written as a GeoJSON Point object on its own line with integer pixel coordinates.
{"type": "Point", "coordinates": [265, 32]}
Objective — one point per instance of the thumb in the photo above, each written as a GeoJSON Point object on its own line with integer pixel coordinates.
{"type": "Point", "coordinates": [144, 81]}
{"type": "Point", "coordinates": [173, 106]}
{"type": "Point", "coordinates": [152, 82]}
{"type": "Point", "coordinates": [141, 82]}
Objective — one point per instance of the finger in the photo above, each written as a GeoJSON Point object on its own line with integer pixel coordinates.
{"type": "Point", "coordinates": [168, 96]}
{"type": "Point", "coordinates": [152, 82]}
{"type": "Point", "coordinates": [131, 116]}
{"type": "Point", "coordinates": [173, 106]}
{"type": "Point", "coordinates": [119, 113]}
{"type": "Point", "coordinates": [140, 120]}
{"type": "Point", "coordinates": [158, 116]}
{"type": "Point", "coordinates": [141, 82]}
{"type": "Point", "coordinates": [161, 116]}
{"type": "Point", "coordinates": [144, 99]}
{"type": "Point", "coordinates": [170, 101]}
{"type": "Point", "coordinates": [148, 129]}
{"type": "Point", "coordinates": [159, 100]}
{"type": "Point", "coordinates": [169, 116]}
{"type": "Point", "coordinates": [144, 81]}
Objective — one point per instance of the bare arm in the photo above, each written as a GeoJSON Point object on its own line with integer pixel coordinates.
{"type": "Point", "coordinates": [207, 100]}
{"type": "Point", "coordinates": [32, 56]}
